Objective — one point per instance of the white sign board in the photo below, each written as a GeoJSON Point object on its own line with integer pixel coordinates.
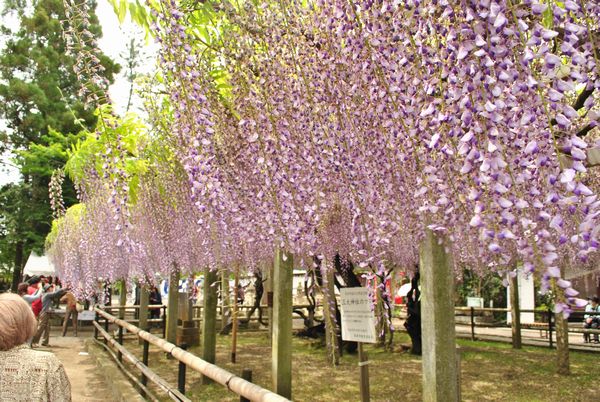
{"type": "Point", "coordinates": [526, 298]}
{"type": "Point", "coordinates": [358, 318]}
{"type": "Point", "coordinates": [475, 302]}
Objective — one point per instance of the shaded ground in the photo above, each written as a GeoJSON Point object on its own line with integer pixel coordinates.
{"type": "Point", "coordinates": [86, 383]}
{"type": "Point", "coordinates": [490, 372]}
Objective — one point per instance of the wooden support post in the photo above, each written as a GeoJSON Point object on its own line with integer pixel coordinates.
{"type": "Point", "coordinates": [173, 307]}
{"type": "Point", "coordinates": [209, 320]}
{"type": "Point", "coordinates": [472, 323]}
{"type": "Point", "coordinates": [225, 298]}
{"type": "Point", "coordinates": [515, 312]}
{"type": "Point", "coordinates": [234, 316]}
{"type": "Point", "coordinates": [123, 299]}
{"type": "Point", "coordinates": [145, 351]}
{"type": "Point", "coordinates": [95, 329]}
{"type": "Point", "coordinates": [269, 292]}
{"type": "Point", "coordinates": [246, 375]}
{"type": "Point", "coordinates": [437, 309]}
{"type": "Point", "coordinates": [282, 323]}
{"type": "Point", "coordinates": [144, 301]}
{"type": "Point", "coordinates": [363, 362]}
{"type": "Point", "coordinates": [181, 373]}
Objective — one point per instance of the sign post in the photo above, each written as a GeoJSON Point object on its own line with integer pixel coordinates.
{"type": "Point", "coordinates": [358, 324]}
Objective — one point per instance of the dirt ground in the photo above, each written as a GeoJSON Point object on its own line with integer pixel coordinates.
{"type": "Point", "coordinates": [86, 383]}
{"type": "Point", "coordinates": [490, 372]}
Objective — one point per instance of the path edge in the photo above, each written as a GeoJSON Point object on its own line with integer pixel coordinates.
{"type": "Point", "coordinates": [121, 389]}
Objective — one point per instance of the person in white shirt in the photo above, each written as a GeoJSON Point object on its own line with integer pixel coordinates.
{"type": "Point", "coordinates": [591, 321]}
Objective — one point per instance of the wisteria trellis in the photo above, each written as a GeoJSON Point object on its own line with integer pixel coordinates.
{"type": "Point", "coordinates": [352, 126]}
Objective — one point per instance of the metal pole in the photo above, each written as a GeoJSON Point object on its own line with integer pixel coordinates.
{"type": "Point", "coordinates": [246, 375]}
{"type": "Point", "coordinates": [145, 360]}
{"type": "Point", "coordinates": [550, 327]}
{"type": "Point", "coordinates": [472, 323]}
{"type": "Point", "coordinates": [181, 377]}
{"type": "Point", "coordinates": [363, 362]}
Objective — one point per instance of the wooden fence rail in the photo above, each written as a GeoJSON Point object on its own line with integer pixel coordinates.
{"type": "Point", "coordinates": [233, 382]}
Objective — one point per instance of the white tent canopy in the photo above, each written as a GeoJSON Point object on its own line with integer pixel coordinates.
{"type": "Point", "coordinates": [38, 265]}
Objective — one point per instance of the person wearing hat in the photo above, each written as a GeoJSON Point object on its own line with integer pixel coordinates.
{"type": "Point", "coordinates": [591, 321]}
{"type": "Point", "coordinates": [44, 319]}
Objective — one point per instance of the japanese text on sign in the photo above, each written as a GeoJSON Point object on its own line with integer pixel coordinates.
{"type": "Point", "coordinates": [358, 318]}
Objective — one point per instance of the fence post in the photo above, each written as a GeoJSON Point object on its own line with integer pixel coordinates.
{"type": "Point", "coordinates": [472, 323]}
{"type": "Point", "coordinates": [550, 327]}
{"type": "Point", "coordinates": [106, 329]}
{"type": "Point", "coordinates": [164, 321]}
{"type": "Point", "coordinates": [96, 321]}
{"type": "Point", "coordinates": [181, 376]}
{"type": "Point", "coordinates": [145, 360]}
{"type": "Point", "coordinates": [120, 340]}
{"type": "Point", "coordinates": [246, 375]}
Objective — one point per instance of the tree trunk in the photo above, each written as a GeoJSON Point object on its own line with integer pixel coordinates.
{"type": "Point", "coordinates": [562, 332]}
{"type": "Point", "coordinates": [17, 272]}
{"type": "Point", "coordinates": [329, 310]}
{"type": "Point", "coordinates": [515, 311]}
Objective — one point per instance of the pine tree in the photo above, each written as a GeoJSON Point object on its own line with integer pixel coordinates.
{"type": "Point", "coordinates": [39, 93]}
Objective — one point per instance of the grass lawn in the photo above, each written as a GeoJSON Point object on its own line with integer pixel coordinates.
{"type": "Point", "coordinates": [490, 372]}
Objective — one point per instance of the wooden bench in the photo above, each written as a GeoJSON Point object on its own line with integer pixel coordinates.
{"type": "Point", "coordinates": [541, 326]}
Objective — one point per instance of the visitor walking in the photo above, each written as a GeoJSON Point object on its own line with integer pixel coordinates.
{"type": "Point", "coordinates": [70, 313]}
{"type": "Point", "coordinates": [43, 328]}
{"type": "Point", "coordinates": [26, 374]}
{"type": "Point", "coordinates": [29, 298]}
{"type": "Point", "coordinates": [155, 299]}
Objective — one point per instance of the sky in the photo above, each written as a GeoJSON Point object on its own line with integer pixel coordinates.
{"type": "Point", "coordinates": [113, 43]}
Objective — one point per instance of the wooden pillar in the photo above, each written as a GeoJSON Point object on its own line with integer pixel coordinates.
{"type": "Point", "coordinates": [234, 316]}
{"type": "Point", "coordinates": [440, 379]}
{"type": "Point", "coordinates": [282, 323]}
{"type": "Point", "coordinates": [515, 311]}
{"type": "Point", "coordinates": [209, 319]}
{"type": "Point", "coordinates": [269, 295]}
{"type": "Point", "coordinates": [144, 301]}
{"type": "Point", "coordinates": [225, 302]}
{"type": "Point", "coordinates": [122, 298]}
{"type": "Point", "coordinates": [173, 307]}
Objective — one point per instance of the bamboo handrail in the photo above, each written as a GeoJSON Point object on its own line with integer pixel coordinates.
{"type": "Point", "coordinates": [234, 383]}
{"type": "Point", "coordinates": [151, 375]}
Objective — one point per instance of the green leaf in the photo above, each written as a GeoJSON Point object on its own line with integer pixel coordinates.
{"type": "Point", "coordinates": [122, 11]}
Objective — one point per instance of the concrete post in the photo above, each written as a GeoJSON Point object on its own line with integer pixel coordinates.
{"type": "Point", "coordinates": [282, 323]}
{"type": "Point", "coordinates": [437, 323]}
{"type": "Point", "coordinates": [209, 319]}
{"type": "Point", "coordinates": [173, 307]}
